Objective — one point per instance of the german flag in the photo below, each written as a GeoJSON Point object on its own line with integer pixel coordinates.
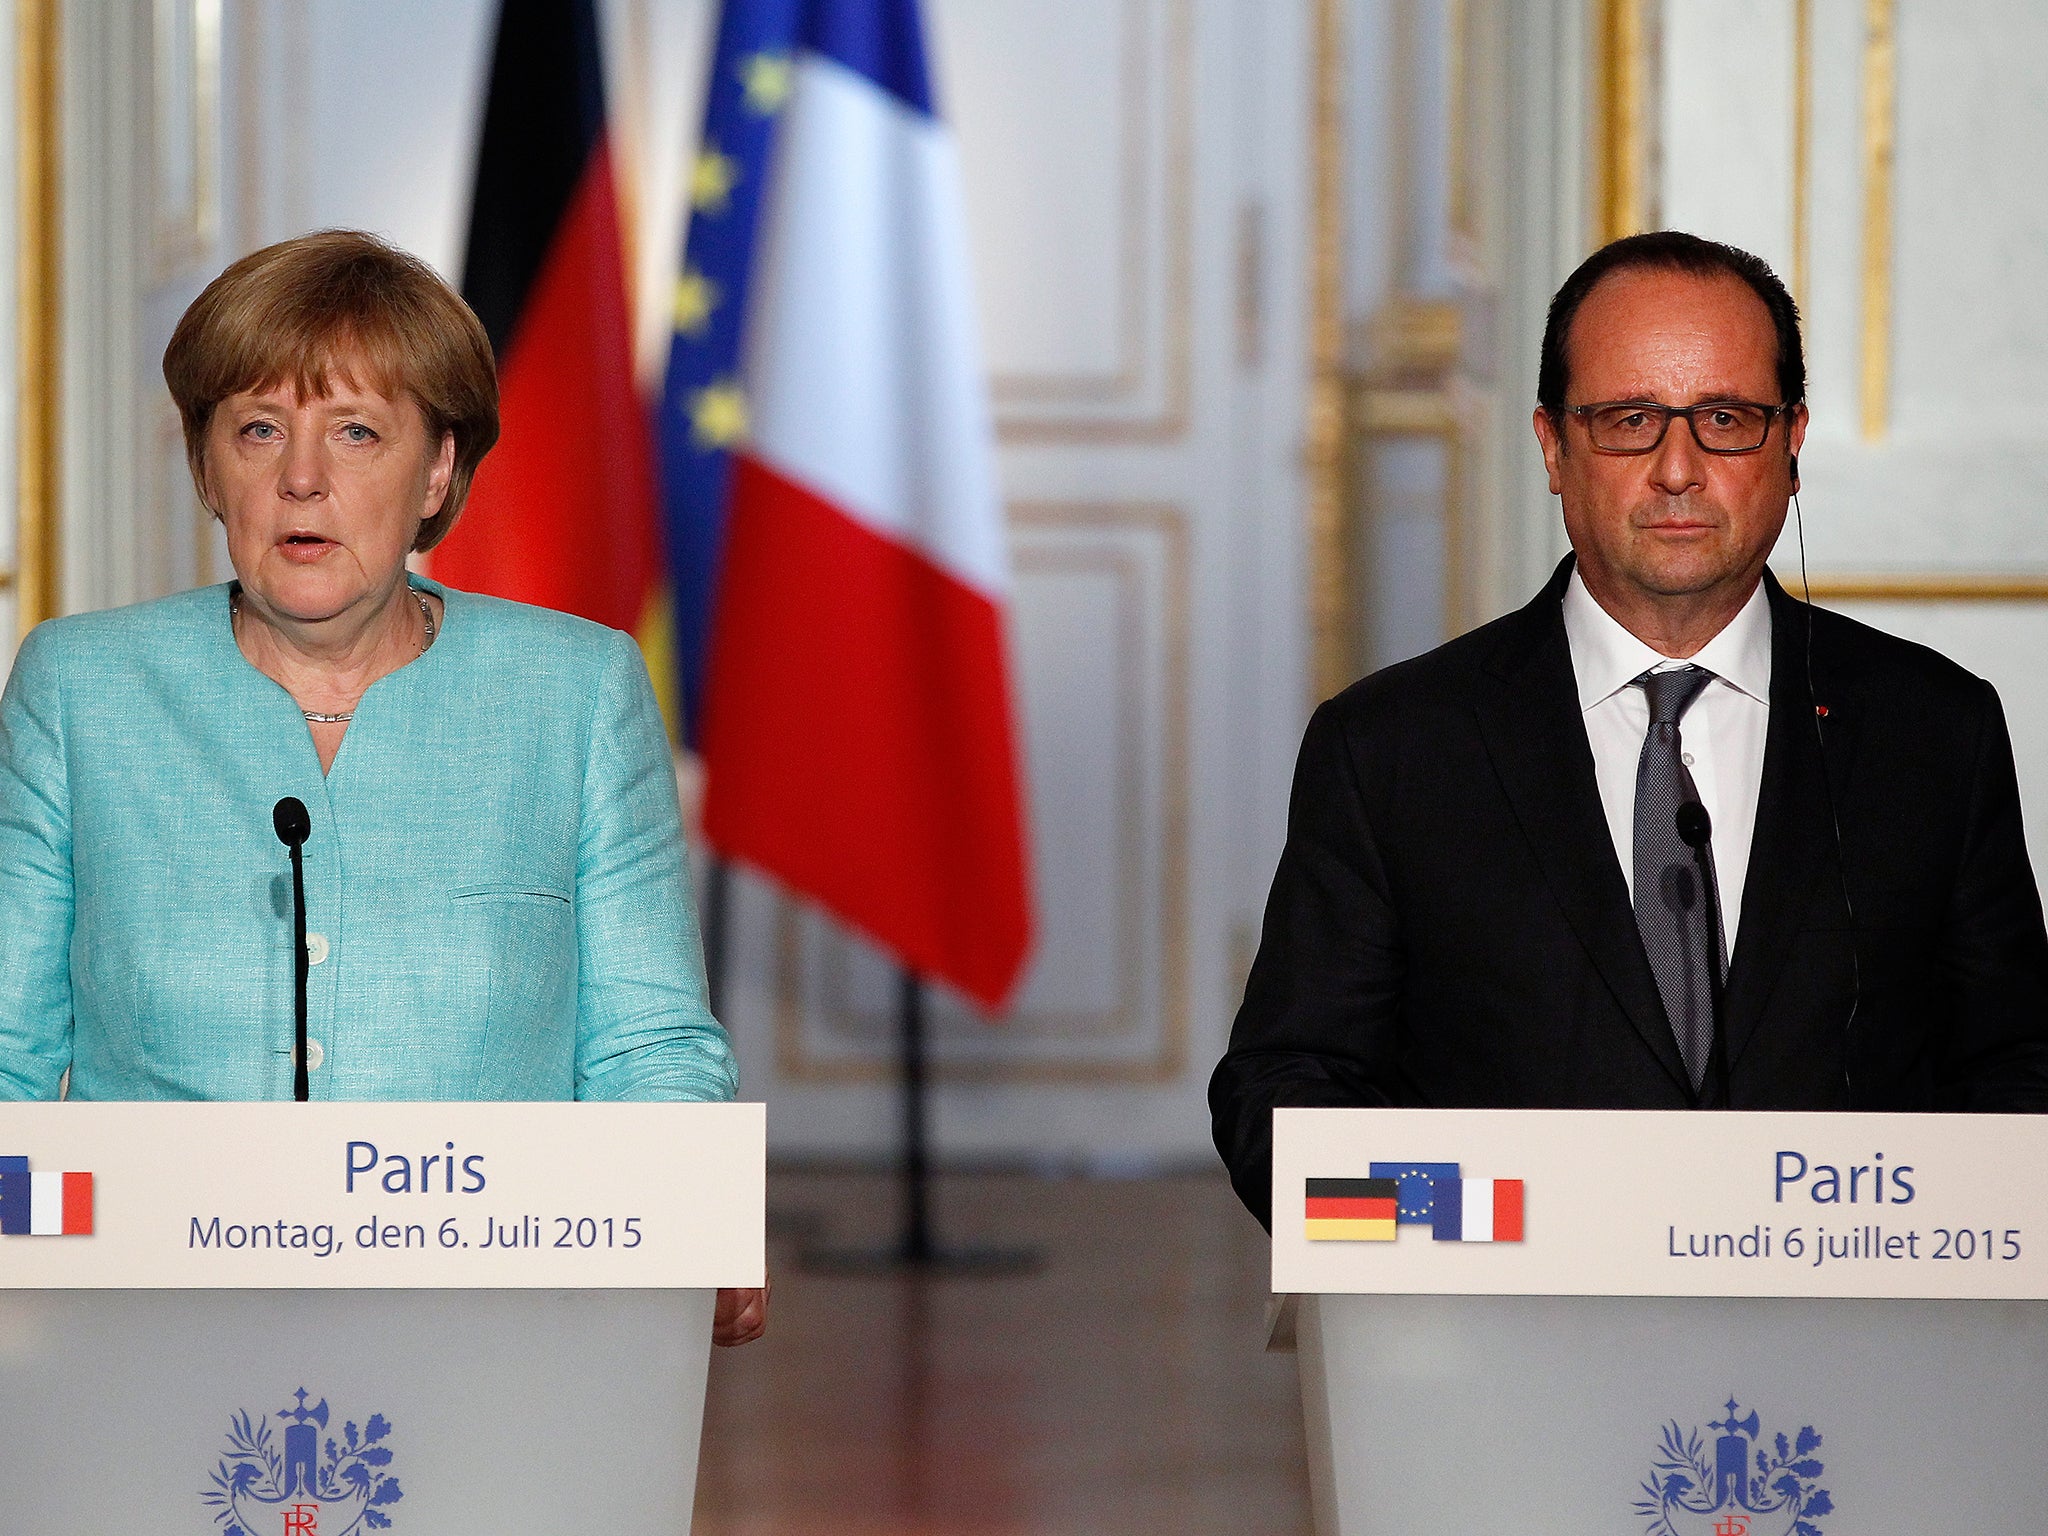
{"type": "Point", "coordinates": [563, 511]}
{"type": "Point", "coordinates": [1351, 1210]}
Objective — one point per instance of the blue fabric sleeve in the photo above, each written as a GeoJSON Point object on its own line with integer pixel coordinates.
{"type": "Point", "coordinates": [36, 898]}
{"type": "Point", "coordinates": [644, 1024]}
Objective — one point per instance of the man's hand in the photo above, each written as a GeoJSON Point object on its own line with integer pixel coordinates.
{"type": "Point", "coordinates": [741, 1316]}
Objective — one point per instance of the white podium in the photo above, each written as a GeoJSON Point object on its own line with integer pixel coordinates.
{"type": "Point", "coordinates": [337, 1319]}
{"type": "Point", "coordinates": [1708, 1325]}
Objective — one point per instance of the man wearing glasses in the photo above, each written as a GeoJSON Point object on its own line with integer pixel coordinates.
{"type": "Point", "coordinates": [1666, 837]}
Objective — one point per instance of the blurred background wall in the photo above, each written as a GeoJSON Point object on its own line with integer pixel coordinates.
{"type": "Point", "coordinates": [1261, 285]}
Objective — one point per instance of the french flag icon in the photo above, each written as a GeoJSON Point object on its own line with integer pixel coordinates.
{"type": "Point", "coordinates": [43, 1204]}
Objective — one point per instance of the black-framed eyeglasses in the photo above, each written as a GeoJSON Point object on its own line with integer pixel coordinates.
{"type": "Point", "coordinates": [1638, 426]}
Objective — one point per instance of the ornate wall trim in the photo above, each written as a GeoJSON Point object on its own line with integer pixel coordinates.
{"type": "Point", "coordinates": [1880, 109]}
{"type": "Point", "coordinates": [39, 347]}
{"type": "Point", "coordinates": [1919, 588]}
{"type": "Point", "coordinates": [1332, 517]}
{"type": "Point", "coordinates": [1624, 127]}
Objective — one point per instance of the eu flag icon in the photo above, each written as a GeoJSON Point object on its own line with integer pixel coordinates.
{"type": "Point", "coordinates": [1416, 1191]}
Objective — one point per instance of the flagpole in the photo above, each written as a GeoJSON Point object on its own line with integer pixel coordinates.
{"type": "Point", "coordinates": [917, 1232]}
{"type": "Point", "coordinates": [916, 1249]}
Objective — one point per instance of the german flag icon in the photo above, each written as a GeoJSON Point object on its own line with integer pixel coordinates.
{"type": "Point", "coordinates": [1351, 1210]}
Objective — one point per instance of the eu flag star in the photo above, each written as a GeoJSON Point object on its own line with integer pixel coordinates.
{"type": "Point", "coordinates": [765, 77]}
{"type": "Point", "coordinates": [1416, 1193]}
{"type": "Point", "coordinates": [696, 297]}
{"type": "Point", "coordinates": [712, 179]}
{"type": "Point", "coordinates": [718, 415]}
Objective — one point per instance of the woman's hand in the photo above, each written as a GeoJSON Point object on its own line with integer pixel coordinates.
{"type": "Point", "coordinates": [742, 1314]}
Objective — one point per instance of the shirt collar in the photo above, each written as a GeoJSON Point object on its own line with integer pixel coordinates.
{"type": "Point", "coordinates": [1607, 658]}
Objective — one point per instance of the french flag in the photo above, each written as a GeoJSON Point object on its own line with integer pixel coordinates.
{"type": "Point", "coordinates": [43, 1204]}
{"type": "Point", "coordinates": [1476, 1210]}
{"type": "Point", "coordinates": [856, 721]}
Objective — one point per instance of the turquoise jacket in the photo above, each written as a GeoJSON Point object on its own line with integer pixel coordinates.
{"type": "Point", "coordinates": [496, 892]}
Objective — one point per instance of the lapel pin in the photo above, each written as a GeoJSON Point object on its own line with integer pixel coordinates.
{"type": "Point", "coordinates": [1821, 710]}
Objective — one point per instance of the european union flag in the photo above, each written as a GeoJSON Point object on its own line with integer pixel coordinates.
{"type": "Point", "coordinates": [703, 404]}
{"type": "Point", "coordinates": [1417, 1192]}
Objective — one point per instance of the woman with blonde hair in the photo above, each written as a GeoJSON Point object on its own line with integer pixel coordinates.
{"type": "Point", "coordinates": [497, 901]}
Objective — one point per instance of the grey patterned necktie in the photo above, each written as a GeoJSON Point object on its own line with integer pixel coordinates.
{"type": "Point", "coordinates": [1670, 914]}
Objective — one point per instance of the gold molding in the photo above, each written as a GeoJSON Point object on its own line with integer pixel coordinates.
{"type": "Point", "coordinates": [39, 248]}
{"type": "Point", "coordinates": [794, 1059]}
{"type": "Point", "coordinates": [1802, 149]}
{"type": "Point", "coordinates": [1931, 588]}
{"type": "Point", "coordinates": [1621, 126]}
{"type": "Point", "coordinates": [1176, 241]}
{"type": "Point", "coordinates": [1880, 88]}
{"type": "Point", "coordinates": [1332, 528]}
{"type": "Point", "coordinates": [1461, 200]}
{"type": "Point", "coordinates": [1380, 412]}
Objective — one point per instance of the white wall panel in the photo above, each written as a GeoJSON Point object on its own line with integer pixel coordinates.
{"type": "Point", "coordinates": [1726, 138]}
{"type": "Point", "coordinates": [1056, 200]}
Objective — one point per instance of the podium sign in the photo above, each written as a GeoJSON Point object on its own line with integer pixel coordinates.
{"type": "Point", "coordinates": [1641, 1203]}
{"type": "Point", "coordinates": [331, 1196]}
{"type": "Point", "coordinates": [345, 1319]}
{"type": "Point", "coordinates": [1668, 1324]}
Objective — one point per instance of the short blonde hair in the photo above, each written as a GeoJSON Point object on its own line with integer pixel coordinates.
{"type": "Point", "coordinates": [340, 304]}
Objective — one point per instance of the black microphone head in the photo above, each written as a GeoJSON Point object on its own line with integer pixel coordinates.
{"type": "Point", "coordinates": [293, 825]}
{"type": "Point", "coordinates": [1695, 826]}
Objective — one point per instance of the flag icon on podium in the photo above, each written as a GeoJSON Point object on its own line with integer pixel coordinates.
{"type": "Point", "coordinates": [1477, 1211]}
{"type": "Point", "coordinates": [1415, 1188]}
{"type": "Point", "coordinates": [1350, 1210]}
{"type": "Point", "coordinates": [43, 1204]}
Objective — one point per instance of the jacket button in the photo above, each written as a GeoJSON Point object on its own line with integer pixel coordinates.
{"type": "Point", "coordinates": [314, 1055]}
{"type": "Point", "coordinates": [316, 951]}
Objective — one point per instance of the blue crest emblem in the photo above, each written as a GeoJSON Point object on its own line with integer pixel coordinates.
{"type": "Point", "coordinates": [294, 1483]}
{"type": "Point", "coordinates": [1743, 1489]}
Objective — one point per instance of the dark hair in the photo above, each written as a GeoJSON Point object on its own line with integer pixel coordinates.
{"type": "Point", "coordinates": [339, 303]}
{"type": "Point", "coordinates": [1670, 250]}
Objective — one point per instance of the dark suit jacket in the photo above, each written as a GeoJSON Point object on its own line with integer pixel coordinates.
{"type": "Point", "coordinates": [1449, 925]}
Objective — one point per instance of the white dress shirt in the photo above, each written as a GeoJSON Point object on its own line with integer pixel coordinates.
{"type": "Point", "coordinates": [1720, 738]}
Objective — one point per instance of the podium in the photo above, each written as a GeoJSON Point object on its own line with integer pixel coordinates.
{"type": "Point", "coordinates": [1678, 1325]}
{"type": "Point", "coordinates": [339, 1319]}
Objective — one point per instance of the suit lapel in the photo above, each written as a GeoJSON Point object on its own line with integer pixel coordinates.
{"type": "Point", "coordinates": [1793, 844]}
{"type": "Point", "coordinates": [1529, 717]}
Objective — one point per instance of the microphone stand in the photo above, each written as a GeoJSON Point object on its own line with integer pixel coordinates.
{"type": "Point", "coordinates": [293, 827]}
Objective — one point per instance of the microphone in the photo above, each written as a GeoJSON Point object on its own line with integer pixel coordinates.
{"type": "Point", "coordinates": [1695, 830]}
{"type": "Point", "coordinates": [1694, 825]}
{"type": "Point", "coordinates": [293, 826]}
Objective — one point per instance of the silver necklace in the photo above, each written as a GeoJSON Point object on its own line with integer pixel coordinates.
{"type": "Point", "coordinates": [314, 716]}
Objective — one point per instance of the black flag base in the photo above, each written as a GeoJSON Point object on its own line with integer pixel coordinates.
{"type": "Point", "coordinates": [915, 1251]}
